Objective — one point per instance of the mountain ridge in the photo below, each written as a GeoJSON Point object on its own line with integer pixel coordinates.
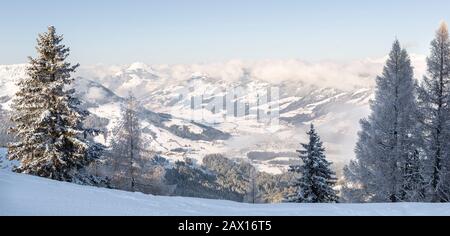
{"type": "Point", "coordinates": [176, 129]}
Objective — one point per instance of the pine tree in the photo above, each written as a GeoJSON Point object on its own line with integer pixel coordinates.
{"type": "Point", "coordinates": [434, 98]}
{"type": "Point", "coordinates": [387, 161]}
{"type": "Point", "coordinates": [126, 146]}
{"type": "Point", "coordinates": [316, 181]}
{"type": "Point", "coordinates": [48, 121]}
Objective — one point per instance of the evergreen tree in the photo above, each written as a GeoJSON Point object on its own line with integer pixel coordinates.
{"type": "Point", "coordinates": [434, 96]}
{"type": "Point", "coordinates": [126, 147]}
{"type": "Point", "coordinates": [48, 121]}
{"type": "Point", "coordinates": [316, 181]}
{"type": "Point", "coordinates": [387, 163]}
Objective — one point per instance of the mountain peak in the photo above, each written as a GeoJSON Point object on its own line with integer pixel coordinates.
{"type": "Point", "coordinates": [139, 66]}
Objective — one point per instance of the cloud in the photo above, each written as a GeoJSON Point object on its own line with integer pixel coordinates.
{"type": "Point", "coordinates": [341, 75]}
{"type": "Point", "coordinates": [99, 70]}
{"type": "Point", "coordinates": [323, 74]}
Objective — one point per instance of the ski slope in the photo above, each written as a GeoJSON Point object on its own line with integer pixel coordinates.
{"type": "Point", "coordinates": [29, 195]}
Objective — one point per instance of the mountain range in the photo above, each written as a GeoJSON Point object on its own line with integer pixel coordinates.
{"type": "Point", "coordinates": [186, 108]}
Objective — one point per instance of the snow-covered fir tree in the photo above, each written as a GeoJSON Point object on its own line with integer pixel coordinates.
{"type": "Point", "coordinates": [316, 181]}
{"type": "Point", "coordinates": [126, 147]}
{"type": "Point", "coordinates": [388, 166]}
{"type": "Point", "coordinates": [48, 120]}
{"type": "Point", "coordinates": [434, 98]}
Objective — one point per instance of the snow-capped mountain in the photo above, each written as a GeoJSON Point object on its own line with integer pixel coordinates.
{"type": "Point", "coordinates": [170, 136]}
{"type": "Point", "coordinates": [187, 109]}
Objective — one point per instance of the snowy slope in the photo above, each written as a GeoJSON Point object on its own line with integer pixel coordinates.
{"type": "Point", "coordinates": [29, 195]}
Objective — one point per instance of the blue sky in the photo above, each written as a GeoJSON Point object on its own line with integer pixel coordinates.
{"type": "Point", "coordinates": [197, 31]}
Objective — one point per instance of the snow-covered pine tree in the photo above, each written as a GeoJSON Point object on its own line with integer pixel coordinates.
{"type": "Point", "coordinates": [126, 147]}
{"type": "Point", "coordinates": [316, 180]}
{"type": "Point", "coordinates": [434, 98]}
{"type": "Point", "coordinates": [387, 163]}
{"type": "Point", "coordinates": [48, 121]}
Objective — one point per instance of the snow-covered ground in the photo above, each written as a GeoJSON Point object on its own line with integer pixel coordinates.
{"type": "Point", "coordinates": [29, 195]}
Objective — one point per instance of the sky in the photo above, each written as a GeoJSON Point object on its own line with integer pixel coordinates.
{"type": "Point", "coordinates": [205, 31]}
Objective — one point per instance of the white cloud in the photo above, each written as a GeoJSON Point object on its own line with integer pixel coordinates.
{"type": "Point", "coordinates": [341, 75]}
{"type": "Point", "coordinates": [99, 70]}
